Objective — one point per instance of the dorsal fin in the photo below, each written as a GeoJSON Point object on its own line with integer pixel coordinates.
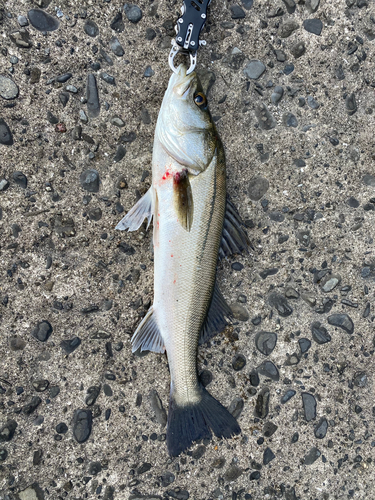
{"type": "Point", "coordinates": [234, 238]}
{"type": "Point", "coordinates": [217, 317]}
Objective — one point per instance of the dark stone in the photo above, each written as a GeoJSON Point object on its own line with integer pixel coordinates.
{"type": "Point", "coordinates": [268, 456]}
{"type": "Point", "coordinates": [95, 468]}
{"type": "Point", "coordinates": [145, 467]}
{"type": "Point", "coordinates": [61, 428]}
{"type": "Point", "coordinates": [360, 379]}
{"type": "Point", "coordinates": [117, 23]}
{"type": "Point", "coordinates": [32, 406]}
{"type": "Point", "coordinates": [319, 333]}
{"type": "Point", "coordinates": [255, 475]}
{"type": "Point", "coordinates": [52, 118]}
{"type": "Point", "coordinates": [205, 378]}
{"type": "Point", "coordinates": [40, 385]}
{"type": "Point", "coordinates": [150, 34]}
{"type": "Point", "coordinates": [6, 136]}
{"type": "Point", "coordinates": [64, 78]}
{"type": "Point", "coordinates": [290, 6]}
{"type": "Point", "coordinates": [238, 362]}
{"type": "Point", "coordinates": [343, 321]}
{"type": "Point", "coordinates": [287, 28]}
{"type": "Point", "coordinates": [91, 28]}
{"type": "Point", "coordinates": [237, 12]}
{"type": "Point", "coordinates": [42, 331]}
{"type": "Point", "coordinates": [89, 180]}
{"type": "Point", "coordinates": [320, 430]}
{"type": "Point", "coordinates": [92, 96]}
{"type": "Point", "coordinates": [369, 180]}
{"type": "Point", "coordinates": [168, 478]}
{"type": "Point", "coordinates": [108, 78]}
{"type": "Point", "coordinates": [288, 69]}
{"type": "Point", "coordinates": [290, 120]}
{"type": "Point", "coordinates": [287, 396]}
{"type": "Point", "coordinates": [42, 21]}
{"type": "Point", "coordinates": [37, 457]}
{"type": "Point", "coordinates": [280, 303]}
{"type": "Point", "coordinates": [116, 47]}
{"type": "Point", "coordinates": [275, 98]}
{"type": "Point", "coordinates": [157, 406]}
{"type": "Point", "coordinates": [269, 429]}
{"type": "Point", "coordinates": [232, 473]}
{"type": "Point", "coordinates": [309, 406]}
{"type": "Point", "coordinates": [352, 202]}
{"type": "Point", "coordinates": [280, 56]}
{"type": "Point", "coordinates": [133, 13]}
{"type": "Point", "coordinates": [92, 395]}
{"type": "Point", "coordinates": [70, 345]}
{"type": "Point", "coordinates": [298, 49]}
{"type": "Point", "coordinates": [21, 38]}
{"type": "Point", "coordinates": [314, 26]}
{"type": "Point", "coordinates": [16, 343]}
{"type": "Point", "coordinates": [258, 186]}
{"type": "Point", "coordinates": [268, 369]}
{"type": "Point", "coordinates": [262, 403]}
{"type": "Point", "coordinates": [82, 424]}
{"type": "Point", "coordinates": [304, 345]}
{"type": "Point", "coordinates": [265, 119]}
{"type": "Point", "coordinates": [236, 407]}
{"type": "Point", "coordinates": [254, 69]}
{"type": "Point", "coordinates": [254, 378]}
{"type": "Point", "coordinates": [312, 456]}
{"type": "Point", "coordinates": [107, 390]}
{"type": "Point", "coordinates": [268, 272]}
{"type": "Point", "coordinates": [351, 104]}
{"type": "Point", "coordinates": [265, 342]}
{"type": "Point", "coordinates": [7, 431]}
{"type": "Point", "coordinates": [64, 98]}
{"type": "Point", "coordinates": [178, 494]}
{"type": "Point", "coordinates": [95, 214]}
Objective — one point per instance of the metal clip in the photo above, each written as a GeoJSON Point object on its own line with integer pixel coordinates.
{"type": "Point", "coordinates": [175, 50]}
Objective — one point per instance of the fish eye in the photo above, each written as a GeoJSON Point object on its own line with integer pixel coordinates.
{"type": "Point", "coordinates": [200, 100]}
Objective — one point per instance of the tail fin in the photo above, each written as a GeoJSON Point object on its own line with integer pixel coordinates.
{"type": "Point", "coordinates": [193, 421]}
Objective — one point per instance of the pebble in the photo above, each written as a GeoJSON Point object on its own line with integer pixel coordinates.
{"type": "Point", "coordinates": [95, 214]}
{"type": "Point", "coordinates": [148, 72]}
{"type": "Point", "coordinates": [288, 69]}
{"type": "Point", "coordinates": [42, 331]}
{"type": "Point", "coordinates": [6, 138]}
{"type": "Point", "coordinates": [205, 377]}
{"type": "Point", "coordinates": [268, 272]}
{"type": "Point", "coordinates": [351, 104]}
{"type": "Point", "coordinates": [268, 456]}
{"type": "Point", "coordinates": [312, 102]}
{"type": "Point", "coordinates": [157, 406]}
{"type": "Point", "coordinates": [304, 345]}
{"type": "Point", "coordinates": [8, 89]}
{"type": "Point", "coordinates": [262, 403]}
{"type": "Point", "coordinates": [22, 21]}
{"type": "Point", "coordinates": [91, 28]}
{"type": "Point", "coordinates": [133, 13]}
{"type": "Point", "coordinates": [168, 478]}
{"type": "Point", "coordinates": [3, 454]}
{"type": "Point", "coordinates": [64, 78]}
{"type": "Point", "coordinates": [287, 396]}
{"type": "Point", "coordinates": [287, 28]}
{"type": "Point", "coordinates": [309, 406]}
{"type": "Point", "coordinates": [52, 118]}
{"type": "Point", "coordinates": [314, 26]}
{"type": "Point", "coordinates": [21, 38]}
{"type": "Point", "coordinates": [116, 47]}
{"type": "Point", "coordinates": [61, 428]}
{"type": "Point", "coordinates": [237, 12]}
{"type": "Point", "coordinates": [95, 468]}
{"type": "Point", "coordinates": [269, 429]}
{"type": "Point", "coordinates": [321, 427]}
{"type": "Point", "coordinates": [238, 362]}
{"type": "Point", "coordinates": [280, 55]}
{"type": "Point", "coordinates": [268, 369]}
{"type": "Point", "coordinates": [89, 180]}
{"type": "Point", "coordinates": [117, 23]}
{"type": "Point", "coordinates": [258, 186]}
{"type": "Point", "coordinates": [40, 385]}
{"type": "Point", "coordinates": [16, 343]}
{"type": "Point", "coordinates": [236, 407]}
{"type": "Point", "coordinates": [360, 379]}
{"type": "Point", "coordinates": [291, 293]}
{"type": "Point", "coordinates": [265, 119]}
{"type": "Point", "coordinates": [254, 69]}
{"type": "Point", "coordinates": [108, 78]}
{"type": "Point", "coordinates": [92, 395]}
{"type": "Point", "coordinates": [33, 492]}
{"type": "Point", "coordinates": [64, 98]}
{"type": "Point", "coordinates": [290, 6]}
{"type": "Point", "coordinates": [312, 5]}
{"type": "Point", "coordinates": [42, 21]}
{"type": "Point", "coordinates": [32, 405]}
{"type": "Point", "coordinates": [70, 345]}
{"type": "Point", "coordinates": [92, 96]}
{"type": "Point", "coordinates": [277, 94]}
{"type": "Point", "coordinates": [150, 34]}
{"type": "Point", "coordinates": [343, 321]}
{"type": "Point", "coordinates": [239, 312]}
{"type": "Point", "coordinates": [330, 282]}
{"type": "Point", "coordinates": [265, 342]}
{"type": "Point", "coordinates": [107, 390]}
{"type": "Point", "coordinates": [280, 303]}
{"type": "Point", "coordinates": [7, 430]}
{"type": "Point", "coordinates": [232, 473]}
{"type": "Point", "coordinates": [369, 180]}
{"type": "Point", "coordinates": [82, 424]}
{"type": "Point", "coordinates": [178, 494]}
{"type": "Point", "coordinates": [290, 120]}
{"type": "Point", "coordinates": [319, 333]}
{"type": "Point", "coordinates": [4, 185]}
{"type": "Point", "coordinates": [118, 122]}
{"type": "Point", "coordinates": [312, 456]}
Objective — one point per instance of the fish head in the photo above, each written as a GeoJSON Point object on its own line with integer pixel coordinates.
{"type": "Point", "coordinates": [185, 128]}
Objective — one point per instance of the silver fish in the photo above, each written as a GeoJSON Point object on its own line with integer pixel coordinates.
{"type": "Point", "coordinates": [194, 224]}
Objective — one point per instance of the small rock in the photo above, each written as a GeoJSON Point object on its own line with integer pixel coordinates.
{"type": "Point", "coordinates": [268, 455]}
{"type": "Point", "coordinates": [280, 303]}
{"type": "Point", "coordinates": [8, 89]}
{"type": "Point", "coordinates": [117, 23]}
{"type": "Point", "coordinates": [312, 456]}
{"type": "Point", "coordinates": [236, 407]}
{"type": "Point", "coordinates": [89, 180]}
{"type": "Point", "coordinates": [369, 180]}
{"type": "Point", "coordinates": [232, 473]}
{"type": "Point", "coordinates": [269, 429]}
{"type": "Point", "coordinates": [237, 12]}
{"type": "Point", "coordinates": [116, 47]}
{"type": "Point", "coordinates": [265, 342]}
{"type": "Point", "coordinates": [92, 96]}
{"type": "Point", "coordinates": [290, 120]}
{"type": "Point", "coordinates": [32, 492]}
{"type": "Point", "coordinates": [351, 105]}
{"type": "Point", "coordinates": [92, 395]}
{"type": "Point", "coordinates": [291, 293]}
{"type": "Point", "coordinates": [70, 345]}
{"type": "Point", "coordinates": [238, 362]}
{"type": "Point", "coordinates": [312, 102]}
{"type": "Point", "coordinates": [298, 49]}
{"type": "Point", "coordinates": [309, 406]}
{"type": "Point", "coordinates": [360, 379]}
{"type": "Point", "coordinates": [268, 369]}
{"type": "Point", "coordinates": [205, 377]}
{"type": "Point", "coordinates": [4, 185]}
{"type": "Point", "coordinates": [148, 72]}
{"type": "Point", "coordinates": [290, 6]}
{"type": "Point", "coordinates": [37, 457]}
{"type": "Point", "coordinates": [82, 424]}
{"type": "Point", "coordinates": [42, 331]}
{"type": "Point", "coordinates": [343, 321]}
{"type": "Point", "coordinates": [277, 94]}
{"type": "Point", "coordinates": [61, 428]}
{"type": "Point", "coordinates": [108, 78]}
{"type": "Point", "coordinates": [40, 385]}
{"type": "Point", "coordinates": [118, 122]}
{"type": "Point", "coordinates": [257, 187]}
{"type": "Point", "coordinates": [239, 312]}
{"type": "Point", "coordinates": [16, 343]}
{"type": "Point", "coordinates": [304, 345]}
{"type": "Point", "coordinates": [287, 28]}
{"type": "Point", "coordinates": [22, 21]}
{"type": "Point", "coordinates": [42, 21]}
{"type": "Point", "coordinates": [157, 406]}
{"type": "Point", "coordinates": [21, 38]}
{"type": "Point", "coordinates": [254, 69]}
{"type": "Point", "coordinates": [319, 333]}
{"type": "Point", "coordinates": [133, 13]}
{"type": "Point", "coordinates": [91, 28]}
{"type": "Point", "coordinates": [32, 406]}
{"type": "Point", "coordinates": [287, 396]}
{"type": "Point", "coordinates": [312, 5]}
{"type": "Point", "coordinates": [280, 55]}
{"type": "Point", "coordinates": [6, 138]}
{"type": "Point", "coordinates": [320, 430]}
{"type": "Point", "coordinates": [314, 26]}
{"type": "Point", "coordinates": [265, 119]}
{"type": "Point", "coordinates": [7, 431]}
{"type": "Point", "coordinates": [330, 282]}
{"type": "Point", "coordinates": [262, 403]}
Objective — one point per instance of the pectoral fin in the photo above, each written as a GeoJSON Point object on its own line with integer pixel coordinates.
{"type": "Point", "coordinates": [183, 199]}
{"type": "Point", "coordinates": [137, 214]}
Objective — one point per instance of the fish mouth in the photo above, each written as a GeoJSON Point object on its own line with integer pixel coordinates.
{"type": "Point", "coordinates": [182, 82]}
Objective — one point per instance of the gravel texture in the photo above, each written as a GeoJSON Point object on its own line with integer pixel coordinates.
{"type": "Point", "coordinates": [292, 94]}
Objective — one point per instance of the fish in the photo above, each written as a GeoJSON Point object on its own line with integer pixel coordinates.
{"type": "Point", "coordinates": [194, 225]}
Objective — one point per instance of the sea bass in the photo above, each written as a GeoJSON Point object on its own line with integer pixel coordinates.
{"type": "Point", "coordinates": [194, 224]}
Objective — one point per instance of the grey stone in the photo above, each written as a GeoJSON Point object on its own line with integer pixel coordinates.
{"type": "Point", "coordinates": [108, 78]}
{"type": "Point", "coordinates": [148, 72]}
{"type": "Point", "coordinates": [280, 55]}
{"type": "Point", "coordinates": [32, 492]}
{"type": "Point", "coordinates": [40, 385]}
{"type": "Point", "coordinates": [92, 395]}
{"type": "Point", "coordinates": [343, 321]}
{"type": "Point", "coordinates": [312, 456]}
{"type": "Point", "coordinates": [6, 138]}
{"type": "Point", "coordinates": [247, 4]}
{"type": "Point", "coordinates": [369, 180]}
{"type": "Point", "coordinates": [312, 102]}
{"type": "Point", "coordinates": [133, 13]}
{"type": "Point", "coordinates": [21, 38]}
{"type": "Point", "coordinates": [280, 303]}
{"type": "Point", "coordinates": [91, 28]}
{"type": "Point", "coordinates": [262, 403]}
{"type": "Point", "coordinates": [238, 362]}
{"type": "Point", "coordinates": [287, 28]}
{"type": "Point", "coordinates": [360, 379]}
{"type": "Point", "coordinates": [232, 473]}
{"type": "Point", "coordinates": [268, 369]}
{"type": "Point", "coordinates": [7, 431]}
{"type": "Point", "coordinates": [319, 333]}
{"type": "Point", "coordinates": [236, 407]}
{"type": "Point", "coordinates": [287, 396]}
{"type": "Point", "coordinates": [290, 6]}
{"type": "Point", "coordinates": [314, 26]}
{"type": "Point", "coordinates": [237, 12]}
{"type": "Point", "coordinates": [116, 47]}
{"type": "Point", "coordinates": [329, 282]}
{"type": "Point", "coordinates": [290, 120]}
{"type": "Point", "coordinates": [8, 89]}
{"type": "Point", "coordinates": [92, 96]}
{"type": "Point", "coordinates": [4, 185]}
{"type": "Point", "coordinates": [42, 21]}
{"type": "Point", "coordinates": [265, 119]}
{"type": "Point", "coordinates": [22, 21]}
{"type": "Point", "coordinates": [268, 456]}
{"type": "Point", "coordinates": [239, 312]}
{"type": "Point", "coordinates": [254, 69]}
{"type": "Point", "coordinates": [309, 406]}
{"type": "Point", "coordinates": [277, 94]}
{"type": "Point", "coordinates": [321, 427]}
{"type": "Point", "coordinates": [42, 331]}
{"type": "Point", "coordinates": [157, 406]}
{"type": "Point", "coordinates": [82, 424]}
{"type": "Point", "coordinates": [312, 5]}
{"type": "Point", "coordinates": [70, 345]}
{"type": "Point", "coordinates": [265, 342]}
{"type": "Point", "coordinates": [258, 186]}
{"type": "Point", "coordinates": [89, 180]}
{"type": "Point", "coordinates": [269, 429]}
{"type": "Point", "coordinates": [117, 23]}
{"type": "Point", "coordinates": [30, 407]}
{"type": "Point", "coordinates": [351, 104]}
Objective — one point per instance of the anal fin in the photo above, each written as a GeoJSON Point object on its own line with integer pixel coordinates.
{"type": "Point", "coordinates": [234, 238]}
{"type": "Point", "coordinates": [147, 336]}
{"type": "Point", "coordinates": [137, 214]}
{"type": "Point", "coordinates": [217, 317]}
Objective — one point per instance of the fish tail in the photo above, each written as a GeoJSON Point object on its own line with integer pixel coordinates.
{"type": "Point", "coordinates": [193, 421]}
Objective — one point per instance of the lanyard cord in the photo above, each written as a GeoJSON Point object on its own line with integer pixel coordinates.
{"type": "Point", "coordinates": [188, 28]}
